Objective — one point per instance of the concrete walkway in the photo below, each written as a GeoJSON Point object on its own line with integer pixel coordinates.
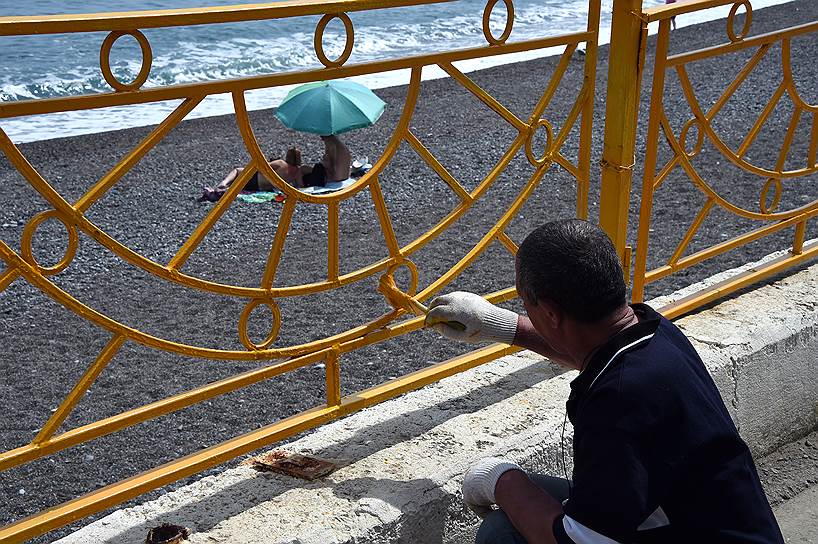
{"type": "Point", "coordinates": [401, 463]}
{"type": "Point", "coordinates": [798, 517]}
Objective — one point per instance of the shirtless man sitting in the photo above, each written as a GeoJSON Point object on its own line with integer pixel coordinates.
{"type": "Point", "coordinates": [288, 169]}
{"type": "Point", "coordinates": [334, 166]}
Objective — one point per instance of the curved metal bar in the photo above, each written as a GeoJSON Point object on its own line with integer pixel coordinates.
{"type": "Point", "coordinates": [723, 147]}
{"type": "Point", "coordinates": [127, 254]}
{"type": "Point", "coordinates": [89, 228]}
{"type": "Point", "coordinates": [59, 295]}
{"type": "Point", "coordinates": [792, 90]}
{"type": "Point", "coordinates": [105, 60]}
{"type": "Point", "coordinates": [499, 227]}
{"type": "Point", "coordinates": [170, 273]}
{"type": "Point", "coordinates": [92, 22]}
{"type": "Point", "coordinates": [711, 193]}
{"type": "Point", "coordinates": [175, 276]}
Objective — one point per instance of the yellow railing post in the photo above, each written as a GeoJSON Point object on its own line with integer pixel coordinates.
{"type": "Point", "coordinates": [627, 54]}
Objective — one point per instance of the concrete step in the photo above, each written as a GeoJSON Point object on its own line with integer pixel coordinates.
{"type": "Point", "coordinates": [798, 517]}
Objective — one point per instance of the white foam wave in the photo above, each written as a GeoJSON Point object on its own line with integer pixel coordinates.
{"type": "Point", "coordinates": [241, 56]}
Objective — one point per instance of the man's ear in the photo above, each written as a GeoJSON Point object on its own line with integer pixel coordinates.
{"type": "Point", "coordinates": [551, 314]}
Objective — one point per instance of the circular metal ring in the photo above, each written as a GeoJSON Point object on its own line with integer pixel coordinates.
{"type": "Point", "coordinates": [245, 316]}
{"type": "Point", "coordinates": [776, 184]}
{"type": "Point", "coordinates": [105, 60]}
{"type": "Point", "coordinates": [28, 235]}
{"type": "Point", "coordinates": [731, 23]}
{"type": "Point", "coordinates": [509, 22]}
{"type": "Point", "coordinates": [529, 152]}
{"type": "Point", "coordinates": [699, 138]}
{"type": "Point", "coordinates": [413, 275]}
{"type": "Point", "coordinates": [319, 39]}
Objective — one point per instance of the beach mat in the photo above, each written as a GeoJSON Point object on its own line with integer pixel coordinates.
{"type": "Point", "coordinates": [261, 196]}
{"type": "Point", "coordinates": [267, 196]}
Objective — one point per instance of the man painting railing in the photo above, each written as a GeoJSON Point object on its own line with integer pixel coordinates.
{"type": "Point", "coordinates": [657, 457]}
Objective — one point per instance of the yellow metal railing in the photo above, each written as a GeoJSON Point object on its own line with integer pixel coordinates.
{"type": "Point", "coordinates": [23, 264]}
{"type": "Point", "coordinates": [682, 152]}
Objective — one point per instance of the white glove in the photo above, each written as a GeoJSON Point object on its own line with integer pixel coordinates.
{"type": "Point", "coordinates": [482, 321]}
{"type": "Point", "coordinates": [480, 480]}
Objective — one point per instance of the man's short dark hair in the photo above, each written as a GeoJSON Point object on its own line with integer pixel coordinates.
{"type": "Point", "coordinates": [573, 264]}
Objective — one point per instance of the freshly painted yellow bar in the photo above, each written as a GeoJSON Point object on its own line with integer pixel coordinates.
{"type": "Point", "coordinates": [681, 7]}
{"type": "Point", "coordinates": [754, 41]}
{"type": "Point", "coordinates": [183, 91]}
{"type": "Point", "coordinates": [128, 20]}
{"type": "Point", "coordinates": [629, 33]}
{"type": "Point", "coordinates": [733, 284]}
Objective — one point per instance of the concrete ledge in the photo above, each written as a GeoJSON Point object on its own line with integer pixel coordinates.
{"type": "Point", "coordinates": [404, 459]}
{"type": "Point", "coordinates": [762, 350]}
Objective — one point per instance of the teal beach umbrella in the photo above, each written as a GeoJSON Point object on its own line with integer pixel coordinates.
{"type": "Point", "coordinates": [330, 107]}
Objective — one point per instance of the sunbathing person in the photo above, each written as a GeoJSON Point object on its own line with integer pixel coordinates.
{"type": "Point", "coordinates": [334, 166]}
{"type": "Point", "coordinates": [288, 169]}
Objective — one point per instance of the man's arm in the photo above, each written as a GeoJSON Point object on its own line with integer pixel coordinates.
{"type": "Point", "coordinates": [482, 321]}
{"type": "Point", "coordinates": [527, 337]}
{"type": "Point", "coordinates": [531, 510]}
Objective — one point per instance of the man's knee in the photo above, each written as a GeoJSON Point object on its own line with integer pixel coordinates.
{"type": "Point", "coordinates": [497, 529]}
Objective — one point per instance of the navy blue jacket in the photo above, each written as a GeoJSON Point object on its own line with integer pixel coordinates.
{"type": "Point", "coordinates": [657, 457]}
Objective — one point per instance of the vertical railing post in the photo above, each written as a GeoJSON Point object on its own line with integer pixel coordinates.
{"type": "Point", "coordinates": [627, 54]}
{"type": "Point", "coordinates": [587, 127]}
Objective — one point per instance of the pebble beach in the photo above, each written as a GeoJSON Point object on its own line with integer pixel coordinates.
{"type": "Point", "coordinates": [155, 207]}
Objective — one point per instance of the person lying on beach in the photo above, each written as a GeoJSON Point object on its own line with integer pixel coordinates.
{"type": "Point", "coordinates": [289, 169]}
{"type": "Point", "coordinates": [334, 166]}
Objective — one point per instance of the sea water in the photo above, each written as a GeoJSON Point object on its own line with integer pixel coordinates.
{"type": "Point", "coordinates": [59, 65]}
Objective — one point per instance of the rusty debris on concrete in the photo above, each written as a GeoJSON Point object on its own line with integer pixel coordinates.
{"type": "Point", "coordinates": [292, 464]}
{"type": "Point", "coordinates": [167, 533]}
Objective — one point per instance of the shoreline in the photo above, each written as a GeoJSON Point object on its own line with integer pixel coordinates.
{"type": "Point", "coordinates": [153, 209]}
{"type": "Point", "coordinates": [219, 105]}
